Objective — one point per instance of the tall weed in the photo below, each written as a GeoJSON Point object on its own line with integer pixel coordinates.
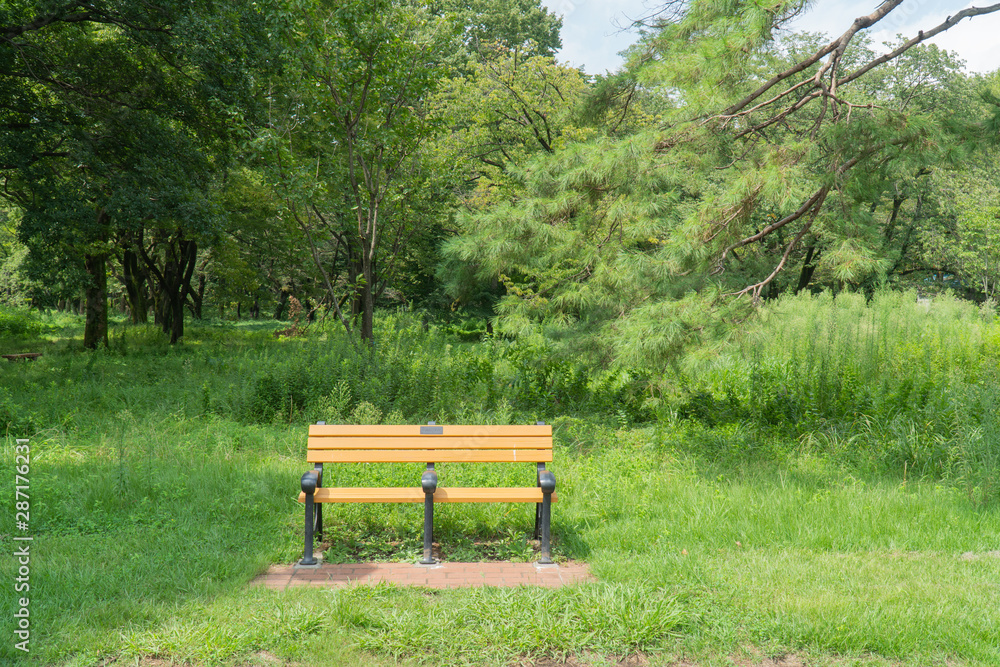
{"type": "Point", "coordinates": [16, 321]}
{"type": "Point", "coordinates": [913, 381]}
{"type": "Point", "coordinates": [417, 375]}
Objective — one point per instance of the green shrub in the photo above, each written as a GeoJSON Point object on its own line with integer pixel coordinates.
{"type": "Point", "coordinates": [15, 420]}
{"type": "Point", "coordinates": [416, 375]}
{"type": "Point", "coordinates": [913, 382]}
{"type": "Point", "coordinates": [19, 322]}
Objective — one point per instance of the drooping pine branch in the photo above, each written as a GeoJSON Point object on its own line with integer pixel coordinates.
{"type": "Point", "coordinates": [777, 103]}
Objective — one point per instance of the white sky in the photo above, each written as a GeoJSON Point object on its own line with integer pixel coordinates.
{"type": "Point", "coordinates": [592, 37]}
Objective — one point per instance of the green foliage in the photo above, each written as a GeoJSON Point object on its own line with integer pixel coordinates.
{"type": "Point", "coordinates": [19, 322]}
{"type": "Point", "coordinates": [416, 376]}
{"type": "Point", "coordinates": [15, 419]}
{"type": "Point", "coordinates": [968, 233]}
{"type": "Point", "coordinates": [344, 145]}
{"type": "Point", "coordinates": [758, 179]}
{"type": "Point", "coordinates": [509, 106]}
{"type": "Point", "coordinates": [893, 384]}
{"type": "Point", "coordinates": [122, 117]}
{"type": "Point", "coordinates": [523, 25]}
{"type": "Point", "coordinates": [14, 286]}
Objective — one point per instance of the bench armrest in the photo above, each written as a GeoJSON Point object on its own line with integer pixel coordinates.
{"type": "Point", "coordinates": [547, 481]}
{"type": "Point", "coordinates": [429, 481]}
{"type": "Point", "coordinates": [310, 482]}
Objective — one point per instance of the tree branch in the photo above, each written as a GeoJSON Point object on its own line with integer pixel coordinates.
{"type": "Point", "coordinates": [922, 36]}
{"type": "Point", "coordinates": [814, 201]}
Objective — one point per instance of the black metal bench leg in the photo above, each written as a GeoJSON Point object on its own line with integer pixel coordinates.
{"type": "Point", "coordinates": [428, 482]}
{"type": "Point", "coordinates": [309, 481]}
{"type": "Point", "coordinates": [547, 481]}
{"type": "Point", "coordinates": [538, 506]}
{"type": "Point", "coordinates": [318, 469]}
{"type": "Point", "coordinates": [428, 559]}
{"type": "Point", "coordinates": [307, 553]}
{"type": "Point", "coordinates": [546, 529]}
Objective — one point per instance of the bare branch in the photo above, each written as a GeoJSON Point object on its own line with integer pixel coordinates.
{"type": "Point", "coordinates": [756, 289]}
{"type": "Point", "coordinates": [814, 201]}
{"type": "Point", "coordinates": [922, 36]}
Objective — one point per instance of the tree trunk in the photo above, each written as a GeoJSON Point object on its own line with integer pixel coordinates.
{"type": "Point", "coordinates": [134, 280]}
{"type": "Point", "coordinates": [174, 282]}
{"type": "Point", "coordinates": [279, 310]}
{"type": "Point", "coordinates": [808, 268]}
{"type": "Point", "coordinates": [188, 256]}
{"type": "Point", "coordinates": [890, 227]}
{"type": "Point", "coordinates": [167, 280]}
{"type": "Point", "coordinates": [368, 307]}
{"type": "Point", "coordinates": [354, 269]}
{"type": "Point", "coordinates": [96, 329]}
{"type": "Point", "coordinates": [156, 294]}
{"type": "Point", "coordinates": [198, 298]}
{"type": "Point", "coordinates": [177, 317]}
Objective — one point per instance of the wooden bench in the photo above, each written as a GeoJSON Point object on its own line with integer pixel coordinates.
{"type": "Point", "coordinates": [24, 356]}
{"type": "Point", "coordinates": [428, 445]}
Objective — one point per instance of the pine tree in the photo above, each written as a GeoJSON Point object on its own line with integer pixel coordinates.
{"type": "Point", "coordinates": [768, 154]}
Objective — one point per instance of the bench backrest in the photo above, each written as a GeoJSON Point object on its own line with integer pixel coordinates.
{"type": "Point", "coordinates": [429, 444]}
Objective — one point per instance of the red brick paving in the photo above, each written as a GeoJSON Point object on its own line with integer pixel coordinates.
{"type": "Point", "coordinates": [442, 575]}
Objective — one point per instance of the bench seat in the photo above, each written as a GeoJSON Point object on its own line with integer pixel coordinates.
{"type": "Point", "coordinates": [415, 495]}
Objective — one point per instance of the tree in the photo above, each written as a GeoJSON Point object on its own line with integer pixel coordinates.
{"type": "Point", "coordinates": [524, 26]}
{"type": "Point", "coordinates": [767, 155]}
{"type": "Point", "coordinates": [343, 144]}
{"type": "Point", "coordinates": [965, 242]}
{"type": "Point", "coordinates": [259, 257]}
{"type": "Point", "coordinates": [510, 106]}
{"type": "Point", "coordinates": [844, 141]}
{"type": "Point", "coordinates": [109, 115]}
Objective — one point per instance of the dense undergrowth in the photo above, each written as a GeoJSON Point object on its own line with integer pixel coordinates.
{"type": "Point", "coordinates": [890, 385]}
{"type": "Point", "coordinates": [893, 385]}
{"type": "Point", "coordinates": [823, 483]}
{"type": "Point", "coordinates": [19, 324]}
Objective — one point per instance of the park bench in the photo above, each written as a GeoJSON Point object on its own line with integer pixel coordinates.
{"type": "Point", "coordinates": [428, 445]}
{"type": "Point", "coordinates": [24, 356]}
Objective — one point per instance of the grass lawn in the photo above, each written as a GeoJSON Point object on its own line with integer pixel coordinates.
{"type": "Point", "coordinates": [153, 507]}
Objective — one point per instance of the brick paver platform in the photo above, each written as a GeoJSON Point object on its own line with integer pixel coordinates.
{"type": "Point", "coordinates": [442, 575]}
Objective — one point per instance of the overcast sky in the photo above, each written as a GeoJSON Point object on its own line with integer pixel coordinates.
{"type": "Point", "coordinates": [592, 37]}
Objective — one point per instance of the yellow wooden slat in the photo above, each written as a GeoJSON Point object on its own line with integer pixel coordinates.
{"type": "Point", "coordinates": [428, 455]}
{"type": "Point", "coordinates": [437, 442]}
{"type": "Point", "coordinates": [490, 495]}
{"type": "Point", "coordinates": [363, 495]}
{"type": "Point", "coordinates": [415, 495]}
{"type": "Point", "coordinates": [414, 430]}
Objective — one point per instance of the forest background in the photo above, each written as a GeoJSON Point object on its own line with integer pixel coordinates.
{"type": "Point", "coordinates": [750, 277]}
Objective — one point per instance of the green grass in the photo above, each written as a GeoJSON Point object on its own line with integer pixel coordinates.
{"type": "Point", "coordinates": [156, 496]}
{"type": "Point", "coordinates": [889, 385]}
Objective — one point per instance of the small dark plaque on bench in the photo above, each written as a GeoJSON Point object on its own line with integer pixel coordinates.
{"type": "Point", "coordinates": [432, 430]}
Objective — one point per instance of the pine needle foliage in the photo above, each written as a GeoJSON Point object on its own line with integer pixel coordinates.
{"type": "Point", "coordinates": [768, 155]}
